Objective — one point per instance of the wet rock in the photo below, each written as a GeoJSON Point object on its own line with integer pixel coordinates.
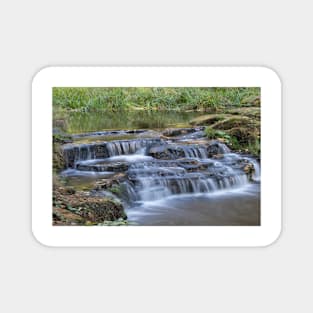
{"type": "Point", "coordinates": [104, 167]}
{"type": "Point", "coordinates": [218, 156]}
{"type": "Point", "coordinates": [173, 132]}
{"type": "Point", "coordinates": [249, 168]}
{"type": "Point", "coordinates": [149, 134]}
{"type": "Point", "coordinates": [74, 153]}
{"type": "Point", "coordinates": [215, 147]}
{"type": "Point", "coordinates": [106, 183]}
{"type": "Point", "coordinates": [101, 151]}
{"type": "Point", "coordinates": [196, 142]}
{"type": "Point", "coordinates": [160, 152]}
{"type": "Point", "coordinates": [191, 164]}
{"type": "Point", "coordinates": [176, 151]}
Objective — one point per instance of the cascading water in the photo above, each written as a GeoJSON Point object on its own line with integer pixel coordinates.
{"type": "Point", "coordinates": [161, 175]}
{"type": "Point", "coordinates": [154, 169]}
{"type": "Point", "coordinates": [85, 152]}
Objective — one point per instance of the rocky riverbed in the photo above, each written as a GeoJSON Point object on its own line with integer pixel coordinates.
{"type": "Point", "coordinates": [174, 176]}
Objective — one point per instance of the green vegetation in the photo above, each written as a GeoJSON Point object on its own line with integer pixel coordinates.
{"type": "Point", "coordinates": [230, 114]}
{"type": "Point", "coordinates": [241, 133]}
{"type": "Point", "coordinates": [153, 98]}
{"type": "Point", "coordinates": [74, 207]}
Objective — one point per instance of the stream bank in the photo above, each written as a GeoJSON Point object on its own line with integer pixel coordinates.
{"type": "Point", "coordinates": [169, 176]}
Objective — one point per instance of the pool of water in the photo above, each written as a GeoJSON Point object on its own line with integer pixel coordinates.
{"type": "Point", "coordinates": [78, 122]}
{"type": "Point", "coordinates": [235, 207]}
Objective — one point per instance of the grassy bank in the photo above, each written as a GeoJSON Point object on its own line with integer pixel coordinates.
{"type": "Point", "coordinates": [229, 114]}
{"type": "Point", "coordinates": [152, 98]}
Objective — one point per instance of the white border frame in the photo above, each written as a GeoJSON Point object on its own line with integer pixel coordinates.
{"type": "Point", "coordinates": [161, 236]}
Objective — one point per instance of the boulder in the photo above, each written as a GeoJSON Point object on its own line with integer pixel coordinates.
{"type": "Point", "coordinates": [79, 208]}
{"type": "Point", "coordinates": [216, 148]}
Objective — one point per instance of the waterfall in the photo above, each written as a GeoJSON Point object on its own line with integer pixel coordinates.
{"type": "Point", "coordinates": [81, 152]}
{"type": "Point", "coordinates": [153, 169]}
{"type": "Point", "coordinates": [195, 152]}
{"type": "Point", "coordinates": [74, 153]}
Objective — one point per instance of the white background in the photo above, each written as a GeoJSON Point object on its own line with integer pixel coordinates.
{"type": "Point", "coordinates": [35, 34]}
{"type": "Point", "coordinates": [162, 236]}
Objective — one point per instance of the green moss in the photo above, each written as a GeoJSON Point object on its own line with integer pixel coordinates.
{"type": "Point", "coordinates": [207, 120]}
{"type": "Point", "coordinates": [238, 139]}
{"type": "Point", "coordinates": [115, 189]}
{"type": "Point", "coordinates": [236, 121]}
{"type": "Point", "coordinates": [58, 161]}
{"type": "Point", "coordinates": [216, 134]}
{"type": "Point", "coordinates": [252, 112]}
{"type": "Point", "coordinates": [61, 138]}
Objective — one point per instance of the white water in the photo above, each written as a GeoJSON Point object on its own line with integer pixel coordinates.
{"type": "Point", "coordinates": [151, 179]}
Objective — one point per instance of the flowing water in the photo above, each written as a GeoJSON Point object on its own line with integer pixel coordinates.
{"type": "Point", "coordinates": [178, 180]}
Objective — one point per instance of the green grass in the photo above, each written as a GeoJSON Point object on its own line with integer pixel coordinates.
{"type": "Point", "coordinates": [152, 98]}
{"type": "Point", "coordinates": [232, 113]}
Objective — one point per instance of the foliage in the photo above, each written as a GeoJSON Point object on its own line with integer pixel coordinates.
{"type": "Point", "coordinates": [152, 98]}
{"type": "Point", "coordinates": [215, 134]}
{"type": "Point", "coordinates": [236, 141]}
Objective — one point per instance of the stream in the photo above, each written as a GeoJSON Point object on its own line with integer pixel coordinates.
{"type": "Point", "coordinates": [167, 177]}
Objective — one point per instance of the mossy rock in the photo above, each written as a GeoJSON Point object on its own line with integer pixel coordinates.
{"type": "Point", "coordinates": [58, 159]}
{"type": "Point", "coordinates": [252, 112]}
{"type": "Point", "coordinates": [89, 208]}
{"type": "Point", "coordinates": [208, 119]}
{"type": "Point", "coordinates": [100, 211]}
{"type": "Point", "coordinates": [244, 135]}
{"type": "Point", "coordinates": [236, 121]}
{"type": "Point", "coordinates": [252, 101]}
{"type": "Point", "coordinates": [60, 137]}
{"type": "Point", "coordinates": [62, 216]}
